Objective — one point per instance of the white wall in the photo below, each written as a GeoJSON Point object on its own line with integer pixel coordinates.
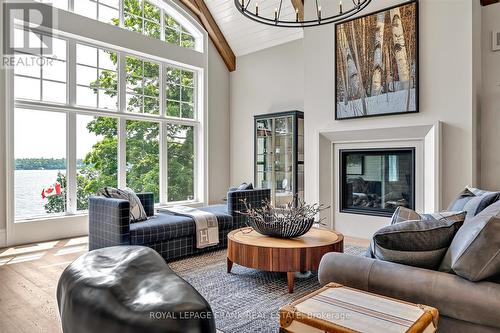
{"type": "Point", "coordinates": [267, 81]}
{"type": "Point", "coordinates": [490, 101]}
{"type": "Point", "coordinates": [448, 88]}
{"type": "Point", "coordinates": [218, 126]}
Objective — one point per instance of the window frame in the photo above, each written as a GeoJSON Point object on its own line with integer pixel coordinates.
{"type": "Point", "coordinates": [72, 110]}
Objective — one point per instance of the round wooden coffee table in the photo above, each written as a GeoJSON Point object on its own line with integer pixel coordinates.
{"type": "Point", "coordinates": [248, 248]}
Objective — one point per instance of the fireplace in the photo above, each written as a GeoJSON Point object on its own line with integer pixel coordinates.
{"type": "Point", "coordinates": [376, 181]}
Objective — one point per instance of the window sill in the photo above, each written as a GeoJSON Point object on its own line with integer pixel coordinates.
{"type": "Point", "coordinates": [52, 218]}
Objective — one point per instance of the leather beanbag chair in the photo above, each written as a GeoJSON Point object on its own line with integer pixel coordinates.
{"type": "Point", "coordinates": [127, 289]}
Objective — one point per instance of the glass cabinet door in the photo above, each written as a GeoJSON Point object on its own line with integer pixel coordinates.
{"type": "Point", "coordinates": [300, 159]}
{"type": "Point", "coordinates": [284, 164]}
{"type": "Point", "coordinates": [264, 153]}
{"type": "Point", "coordinates": [279, 156]}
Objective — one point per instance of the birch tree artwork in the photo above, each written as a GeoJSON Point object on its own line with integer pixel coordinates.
{"type": "Point", "coordinates": [376, 63]}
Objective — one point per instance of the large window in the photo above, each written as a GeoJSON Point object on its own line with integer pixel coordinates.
{"type": "Point", "coordinates": [119, 120]}
{"type": "Point", "coordinates": [143, 154]}
{"type": "Point", "coordinates": [143, 86]}
{"type": "Point", "coordinates": [96, 77]}
{"type": "Point", "coordinates": [180, 142]}
{"type": "Point", "coordinates": [140, 16]}
{"type": "Point", "coordinates": [180, 93]}
{"type": "Point", "coordinates": [96, 155]}
{"type": "Point", "coordinates": [44, 78]}
{"type": "Point", "coordinates": [103, 10]}
{"type": "Point", "coordinates": [40, 163]}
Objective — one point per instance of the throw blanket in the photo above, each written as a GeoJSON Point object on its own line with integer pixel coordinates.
{"type": "Point", "coordinates": [207, 226]}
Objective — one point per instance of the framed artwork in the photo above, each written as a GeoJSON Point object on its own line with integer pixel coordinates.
{"type": "Point", "coordinates": [354, 165]}
{"type": "Point", "coordinates": [376, 63]}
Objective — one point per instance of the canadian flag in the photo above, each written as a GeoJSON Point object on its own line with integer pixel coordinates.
{"type": "Point", "coordinates": [51, 190]}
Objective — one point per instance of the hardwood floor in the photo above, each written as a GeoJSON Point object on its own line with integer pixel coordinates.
{"type": "Point", "coordinates": [28, 282]}
{"type": "Point", "coordinates": [29, 276]}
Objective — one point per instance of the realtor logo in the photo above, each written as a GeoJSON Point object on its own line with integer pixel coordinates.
{"type": "Point", "coordinates": [28, 18]}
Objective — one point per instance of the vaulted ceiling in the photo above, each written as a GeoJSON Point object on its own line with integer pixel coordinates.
{"type": "Point", "coordinates": [246, 36]}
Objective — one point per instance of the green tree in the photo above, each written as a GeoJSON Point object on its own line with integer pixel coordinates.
{"type": "Point", "coordinates": [100, 165]}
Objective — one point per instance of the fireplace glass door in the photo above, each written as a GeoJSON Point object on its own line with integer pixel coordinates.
{"type": "Point", "coordinates": [376, 182]}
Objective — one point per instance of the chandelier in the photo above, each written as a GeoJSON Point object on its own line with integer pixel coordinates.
{"type": "Point", "coordinates": [250, 9]}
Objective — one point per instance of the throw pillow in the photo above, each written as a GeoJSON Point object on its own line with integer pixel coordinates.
{"type": "Point", "coordinates": [421, 243]}
{"type": "Point", "coordinates": [245, 186]}
{"type": "Point", "coordinates": [402, 214]}
{"type": "Point", "coordinates": [475, 251]}
{"type": "Point", "coordinates": [474, 200]}
{"type": "Point", "coordinates": [137, 212]}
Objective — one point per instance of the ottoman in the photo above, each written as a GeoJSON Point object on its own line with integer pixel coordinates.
{"type": "Point", "coordinates": [129, 289]}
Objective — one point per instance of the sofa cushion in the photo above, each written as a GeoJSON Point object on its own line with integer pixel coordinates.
{"type": "Point", "coordinates": [164, 226]}
{"type": "Point", "coordinates": [421, 243]}
{"type": "Point", "coordinates": [474, 200]}
{"type": "Point", "coordinates": [475, 251]}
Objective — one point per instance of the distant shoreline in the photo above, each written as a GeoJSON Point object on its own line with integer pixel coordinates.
{"type": "Point", "coordinates": [43, 163]}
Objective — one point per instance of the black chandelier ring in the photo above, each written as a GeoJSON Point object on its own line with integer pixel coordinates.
{"type": "Point", "coordinates": [243, 7]}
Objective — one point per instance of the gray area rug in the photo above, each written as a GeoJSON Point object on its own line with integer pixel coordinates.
{"type": "Point", "coordinates": [246, 300]}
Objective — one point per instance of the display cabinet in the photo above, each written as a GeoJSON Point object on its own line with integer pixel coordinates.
{"type": "Point", "coordinates": [279, 155]}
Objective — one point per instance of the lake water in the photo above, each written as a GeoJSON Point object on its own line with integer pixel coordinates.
{"type": "Point", "coordinates": [28, 190]}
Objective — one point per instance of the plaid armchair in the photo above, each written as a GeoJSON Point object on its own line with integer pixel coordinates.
{"type": "Point", "coordinates": [170, 235]}
{"type": "Point", "coordinates": [235, 203]}
{"type": "Point", "coordinates": [109, 220]}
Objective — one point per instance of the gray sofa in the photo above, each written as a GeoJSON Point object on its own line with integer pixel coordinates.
{"type": "Point", "coordinates": [464, 306]}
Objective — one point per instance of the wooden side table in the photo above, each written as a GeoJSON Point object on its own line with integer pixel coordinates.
{"type": "Point", "coordinates": [248, 248]}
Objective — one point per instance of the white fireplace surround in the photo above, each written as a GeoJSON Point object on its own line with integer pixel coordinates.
{"type": "Point", "coordinates": [426, 139]}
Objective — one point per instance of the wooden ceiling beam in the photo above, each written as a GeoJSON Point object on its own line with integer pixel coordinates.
{"type": "Point", "coordinates": [200, 9]}
{"type": "Point", "coordinates": [299, 7]}
{"type": "Point", "coordinates": [489, 2]}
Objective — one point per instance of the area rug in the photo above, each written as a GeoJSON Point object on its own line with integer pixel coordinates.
{"type": "Point", "coordinates": [246, 300]}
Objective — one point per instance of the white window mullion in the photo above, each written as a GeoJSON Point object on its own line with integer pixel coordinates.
{"type": "Point", "coordinates": [162, 25]}
{"type": "Point", "coordinates": [122, 122]}
{"type": "Point", "coordinates": [121, 14]}
{"type": "Point", "coordinates": [122, 152]}
{"type": "Point", "coordinates": [163, 86]}
{"type": "Point", "coordinates": [163, 163]}
{"type": "Point", "coordinates": [198, 164]}
{"type": "Point", "coordinates": [71, 79]}
{"type": "Point", "coordinates": [71, 5]}
{"type": "Point", "coordinates": [71, 178]}
{"type": "Point", "coordinates": [163, 138]}
{"type": "Point", "coordinates": [122, 82]}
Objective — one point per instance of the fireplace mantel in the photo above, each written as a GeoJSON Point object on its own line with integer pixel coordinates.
{"type": "Point", "coordinates": [425, 139]}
